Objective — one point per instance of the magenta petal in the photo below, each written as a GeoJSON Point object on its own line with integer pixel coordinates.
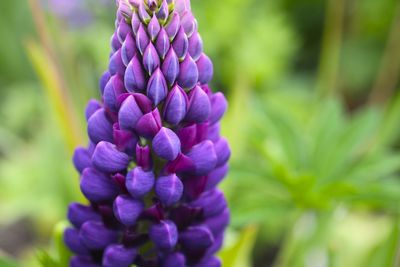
{"type": "Point", "coordinates": [135, 79]}
{"type": "Point", "coordinates": [222, 150]}
{"type": "Point", "coordinates": [123, 30]}
{"type": "Point", "coordinates": [149, 124]}
{"type": "Point", "coordinates": [188, 75]}
{"type": "Point", "coordinates": [143, 157]}
{"type": "Point", "coordinates": [124, 140]}
{"type": "Point", "coordinates": [115, 43]}
{"type": "Point", "coordinates": [143, 15]}
{"type": "Point", "coordinates": [166, 144]}
{"type": "Point", "coordinates": [135, 23]}
{"type": "Point", "coordinates": [127, 209]}
{"type": "Point", "coordinates": [218, 107]}
{"type": "Point", "coordinates": [188, 135]}
{"type": "Point", "coordinates": [104, 80]}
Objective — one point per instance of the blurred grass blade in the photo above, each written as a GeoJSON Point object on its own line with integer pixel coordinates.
{"type": "Point", "coordinates": [46, 72]}
{"type": "Point", "coordinates": [5, 262]}
{"type": "Point", "coordinates": [239, 255]}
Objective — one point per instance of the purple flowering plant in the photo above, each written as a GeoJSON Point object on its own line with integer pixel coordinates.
{"type": "Point", "coordinates": [155, 155]}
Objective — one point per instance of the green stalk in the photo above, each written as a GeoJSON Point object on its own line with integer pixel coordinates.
{"type": "Point", "coordinates": [328, 70]}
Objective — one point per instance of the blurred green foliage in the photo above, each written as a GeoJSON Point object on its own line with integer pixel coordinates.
{"type": "Point", "coordinates": [312, 123]}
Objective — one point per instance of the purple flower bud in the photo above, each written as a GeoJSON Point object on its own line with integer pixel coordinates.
{"type": "Point", "coordinates": [218, 107]}
{"type": "Point", "coordinates": [170, 67]}
{"type": "Point", "coordinates": [164, 235]}
{"type": "Point", "coordinates": [214, 132]}
{"type": "Point", "coordinates": [174, 260]}
{"type": "Point", "coordinates": [151, 61]}
{"type": "Point", "coordinates": [143, 157]}
{"type": "Point", "coordinates": [135, 79]}
{"type": "Point", "coordinates": [188, 23]}
{"type": "Point", "coordinates": [182, 6]}
{"type": "Point", "coordinates": [115, 43]}
{"type": "Point", "coordinates": [113, 89]}
{"type": "Point", "coordinates": [216, 176]}
{"type": "Point", "coordinates": [157, 88]}
{"type": "Point", "coordinates": [124, 10]}
{"type": "Point", "coordinates": [196, 237]}
{"type": "Point", "coordinates": [82, 261]}
{"type": "Point", "coordinates": [116, 65]}
{"type": "Point", "coordinates": [104, 80]}
{"type": "Point", "coordinates": [169, 189]}
{"type": "Point", "coordinates": [206, 69]}
{"type": "Point", "coordinates": [149, 124]}
{"type": "Point", "coordinates": [78, 214]}
{"type": "Point", "coordinates": [204, 157]}
{"type": "Point", "coordinates": [135, 23]}
{"type": "Point", "coordinates": [143, 15]}
{"type": "Point", "coordinates": [71, 239]}
{"type": "Point", "coordinates": [153, 28]}
{"type": "Point", "coordinates": [128, 49]}
{"type": "Point", "coordinates": [195, 46]}
{"type": "Point", "coordinates": [163, 13]}
{"type": "Point", "coordinates": [129, 114]}
{"type": "Point", "coordinates": [173, 26]}
{"type": "Point", "coordinates": [162, 44]}
{"type": "Point", "coordinates": [181, 44]}
{"type": "Point", "coordinates": [99, 127]}
{"type": "Point", "coordinates": [107, 158]}
{"type": "Point", "coordinates": [199, 106]}
{"type": "Point", "coordinates": [210, 262]}
{"type": "Point", "coordinates": [166, 144]}
{"type": "Point", "coordinates": [82, 159]}
{"type": "Point", "coordinates": [95, 236]}
{"type": "Point", "coordinates": [92, 106]}
{"type": "Point", "coordinates": [96, 186]}
{"type": "Point", "coordinates": [223, 151]}
{"type": "Point", "coordinates": [212, 203]}
{"type": "Point", "coordinates": [118, 255]}
{"type": "Point", "coordinates": [142, 40]}
{"type": "Point", "coordinates": [188, 74]}
{"type": "Point", "coordinates": [218, 223]}
{"type": "Point", "coordinates": [127, 209]}
{"type": "Point", "coordinates": [123, 30]}
{"type": "Point", "coordinates": [139, 182]}
{"type": "Point", "coordinates": [175, 106]}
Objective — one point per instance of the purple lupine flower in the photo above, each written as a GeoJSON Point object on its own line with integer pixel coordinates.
{"type": "Point", "coordinates": [155, 155]}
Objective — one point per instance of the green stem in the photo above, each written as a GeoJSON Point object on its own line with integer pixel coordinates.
{"type": "Point", "coordinates": [328, 71]}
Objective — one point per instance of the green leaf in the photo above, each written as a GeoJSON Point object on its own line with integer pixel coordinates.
{"type": "Point", "coordinates": [239, 254]}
